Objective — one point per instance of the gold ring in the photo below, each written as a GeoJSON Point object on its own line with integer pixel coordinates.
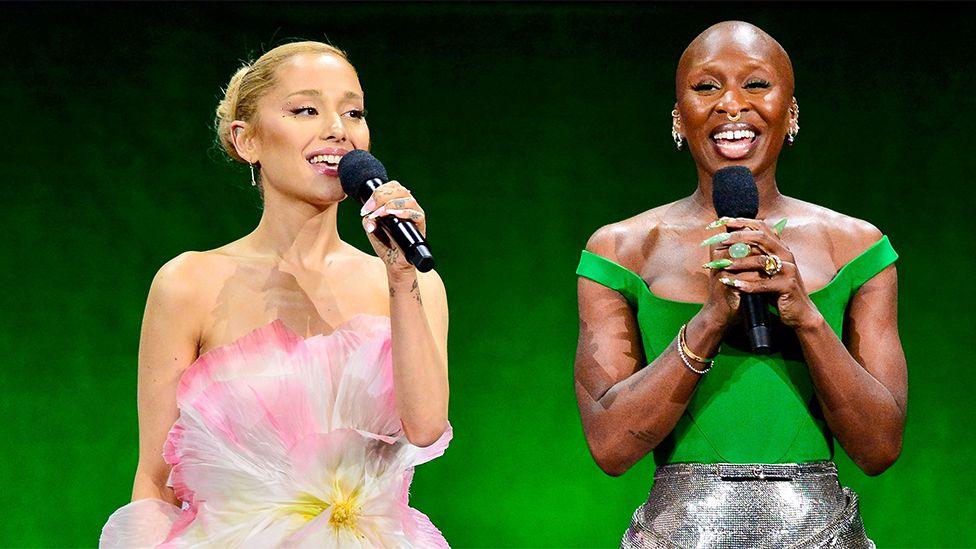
{"type": "Point", "coordinates": [738, 115]}
{"type": "Point", "coordinates": [773, 265]}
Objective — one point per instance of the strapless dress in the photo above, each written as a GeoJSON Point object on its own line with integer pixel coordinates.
{"type": "Point", "coordinates": [285, 441]}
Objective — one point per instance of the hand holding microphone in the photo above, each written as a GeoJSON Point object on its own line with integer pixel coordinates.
{"type": "Point", "coordinates": [389, 210]}
{"type": "Point", "coordinates": [749, 275]}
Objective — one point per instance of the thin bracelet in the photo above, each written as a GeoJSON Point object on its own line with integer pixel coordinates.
{"type": "Point", "coordinates": [684, 358]}
{"type": "Point", "coordinates": [688, 353]}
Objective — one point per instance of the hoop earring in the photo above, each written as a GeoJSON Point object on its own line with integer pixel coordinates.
{"type": "Point", "coordinates": [254, 183]}
{"type": "Point", "coordinates": [675, 125]}
{"type": "Point", "coordinates": [794, 122]}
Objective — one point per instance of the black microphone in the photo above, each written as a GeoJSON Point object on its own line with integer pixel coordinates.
{"type": "Point", "coordinates": [360, 173]}
{"type": "Point", "coordinates": [734, 194]}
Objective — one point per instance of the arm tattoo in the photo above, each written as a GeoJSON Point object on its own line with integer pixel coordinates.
{"type": "Point", "coordinates": [644, 436]}
{"type": "Point", "coordinates": [415, 291]}
{"type": "Point", "coordinates": [634, 382]}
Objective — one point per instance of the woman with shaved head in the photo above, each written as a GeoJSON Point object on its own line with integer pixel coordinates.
{"type": "Point", "coordinates": [743, 442]}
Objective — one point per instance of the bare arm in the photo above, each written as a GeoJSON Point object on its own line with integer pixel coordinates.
{"type": "Point", "coordinates": [167, 345]}
{"type": "Point", "coordinates": [862, 390]}
{"type": "Point", "coordinates": [418, 317]}
{"type": "Point", "coordinates": [627, 408]}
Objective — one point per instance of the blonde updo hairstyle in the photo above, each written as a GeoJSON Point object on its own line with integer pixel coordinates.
{"type": "Point", "coordinates": [251, 82]}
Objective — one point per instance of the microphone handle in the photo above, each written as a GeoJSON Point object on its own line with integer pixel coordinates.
{"type": "Point", "coordinates": [404, 233]}
{"type": "Point", "coordinates": [756, 318]}
{"type": "Point", "coordinates": [409, 240]}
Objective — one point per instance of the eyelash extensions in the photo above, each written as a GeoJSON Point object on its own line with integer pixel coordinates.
{"type": "Point", "coordinates": [357, 113]}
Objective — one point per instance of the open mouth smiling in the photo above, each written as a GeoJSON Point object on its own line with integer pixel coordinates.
{"type": "Point", "coordinates": [735, 140]}
{"type": "Point", "coordinates": [326, 161]}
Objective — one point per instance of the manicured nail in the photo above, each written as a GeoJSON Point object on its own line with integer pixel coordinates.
{"type": "Point", "coordinates": [370, 225]}
{"type": "Point", "coordinates": [717, 264]}
{"type": "Point", "coordinates": [720, 237]}
{"type": "Point", "coordinates": [367, 207]}
{"type": "Point", "coordinates": [379, 211]}
{"type": "Point", "coordinates": [779, 226]}
{"type": "Point", "coordinates": [730, 282]}
{"type": "Point", "coordinates": [739, 250]}
{"type": "Point", "coordinates": [718, 223]}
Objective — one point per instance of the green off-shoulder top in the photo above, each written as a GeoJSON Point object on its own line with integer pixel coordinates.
{"type": "Point", "coordinates": [748, 408]}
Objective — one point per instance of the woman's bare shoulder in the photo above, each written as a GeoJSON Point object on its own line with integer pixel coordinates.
{"type": "Point", "coordinates": [196, 267]}
{"type": "Point", "coordinates": [191, 278]}
{"type": "Point", "coordinates": [847, 236]}
{"type": "Point", "coordinates": [630, 241]}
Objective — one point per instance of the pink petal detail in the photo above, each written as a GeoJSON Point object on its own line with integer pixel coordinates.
{"type": "Point", "coordinates": [271, 420]}
{"type": "Point", "coordinates": [141, 523]}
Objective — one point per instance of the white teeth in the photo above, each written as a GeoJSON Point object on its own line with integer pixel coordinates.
{"type": "Point", "coordinates": [329, 158]}
{"type": "Point", "coordinates": [736, 134]}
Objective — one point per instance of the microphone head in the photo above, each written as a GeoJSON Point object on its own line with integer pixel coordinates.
{"type": "Point", "coordinates": [356, 167]}
{"type": "Point", "coordinates": [734, 193]}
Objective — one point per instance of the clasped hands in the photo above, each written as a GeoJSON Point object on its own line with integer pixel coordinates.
{"type": "Point", "coordinates": [743, 261]}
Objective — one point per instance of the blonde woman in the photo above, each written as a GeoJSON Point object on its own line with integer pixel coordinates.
{"type": "Point", "coordinates": [288, 382]}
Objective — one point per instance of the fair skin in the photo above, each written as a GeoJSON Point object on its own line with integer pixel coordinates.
{"type": "Point", "coordinates": [628, 406]}
{"type": "Point", "coordinates": [293, 266]}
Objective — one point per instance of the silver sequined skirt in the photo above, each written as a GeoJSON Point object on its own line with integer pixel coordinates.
{"type": "Point", "coordinates": [723, 505]}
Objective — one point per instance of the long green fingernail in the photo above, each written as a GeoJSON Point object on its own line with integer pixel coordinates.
{"type": "Point", "coordinates": [779, 226]}
{"type": "Point", "coordinates": [739, 250]}
{"type": "Point", "coordinates": [717, 264]}
{"type": "Point", "coordinates": [720, 237]}
{"type": "Point", "coordinates": [718, 223]}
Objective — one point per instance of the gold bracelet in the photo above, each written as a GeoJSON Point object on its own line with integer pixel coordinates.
{"type": "Point", "coordinates": [687, 351]}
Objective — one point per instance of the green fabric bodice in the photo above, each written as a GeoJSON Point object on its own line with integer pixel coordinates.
{"type": "Point", "coordinates": [748, 408]}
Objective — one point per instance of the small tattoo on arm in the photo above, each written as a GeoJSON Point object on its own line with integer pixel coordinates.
{"type": "Point", "coordinates": [634, 382]}
{"type": "Point", "coordinates": [415, 291]}
{"type": "Point", "coordinates": [644, 436]}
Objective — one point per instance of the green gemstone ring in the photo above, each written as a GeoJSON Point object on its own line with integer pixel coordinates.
{"type": "Point", "coordinates": [739, 250]}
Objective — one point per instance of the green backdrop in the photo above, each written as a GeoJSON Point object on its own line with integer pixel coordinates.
{"type": "Point", "coordinates": [535, 124]}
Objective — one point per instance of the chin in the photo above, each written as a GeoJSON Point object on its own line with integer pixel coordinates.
{"type": "Point", "coordinates": [756, 162]}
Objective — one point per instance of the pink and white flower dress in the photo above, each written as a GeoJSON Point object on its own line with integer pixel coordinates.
{"type": "Point", "coordinates": [287, 442]}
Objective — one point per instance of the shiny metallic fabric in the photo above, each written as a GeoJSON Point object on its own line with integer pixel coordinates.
{"type": "Point", "coordinates": [723, 505]}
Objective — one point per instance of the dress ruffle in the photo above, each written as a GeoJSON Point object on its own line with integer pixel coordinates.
{"type": "Point", "coordinates": [287, 441]}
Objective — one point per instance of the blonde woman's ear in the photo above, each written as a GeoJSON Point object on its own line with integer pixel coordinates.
{"type": "Point", "coordinates": [243, 143]}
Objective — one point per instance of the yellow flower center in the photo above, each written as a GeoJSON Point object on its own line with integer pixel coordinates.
{"type": "Point", "coordinates": [342, 509]}
{"type": "Point", "coordinates": [343, 514]}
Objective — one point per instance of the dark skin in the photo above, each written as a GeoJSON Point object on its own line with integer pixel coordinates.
{"type": "Point", "coordinates": [734, 70]}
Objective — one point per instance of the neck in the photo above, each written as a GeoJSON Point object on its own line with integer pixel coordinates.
{"type": "Point", "coordinates": [770, 199]}
{"type": "Point", "coordinates": [296, 230]}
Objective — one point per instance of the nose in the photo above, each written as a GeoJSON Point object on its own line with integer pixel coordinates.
{"type": "Point", "coordinates": [333, 130]}
{"type": "Point", "coordinates": [731, 104]}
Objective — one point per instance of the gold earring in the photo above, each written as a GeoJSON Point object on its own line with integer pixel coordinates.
{"type": "Point", "coordinates": [794, 122]}
{"type": "Point", "coordinates": [675, 126]}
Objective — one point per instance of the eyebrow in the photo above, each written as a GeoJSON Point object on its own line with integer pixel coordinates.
{"type": "Point", "coordinates": [317, 93]}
